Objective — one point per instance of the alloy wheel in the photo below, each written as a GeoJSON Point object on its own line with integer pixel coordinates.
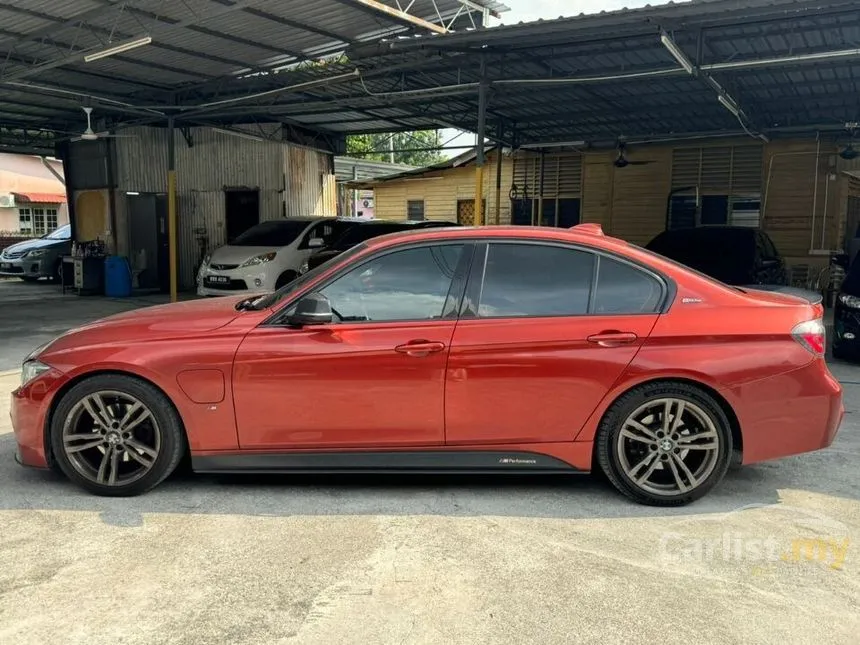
{"type": "Point", "coordinates": [111, 438]}
{"type": "Point", "coordinates": [668, 446]}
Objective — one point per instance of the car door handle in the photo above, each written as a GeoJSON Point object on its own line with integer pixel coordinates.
{"type": "Point", "coordinates": [613, 338]}
{"type": "Point", "coordinates": [420, 347]}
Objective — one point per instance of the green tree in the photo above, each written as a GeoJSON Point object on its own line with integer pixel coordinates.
{"type": "Point", "coordinates": [408, 147]}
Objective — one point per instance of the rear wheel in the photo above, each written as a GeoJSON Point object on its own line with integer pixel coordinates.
{"type": "Point", "coordinates": [116, 436]}
{"type": "Point", "coordinates": [664, 444]}
{"type": "Point", "coordinates": [57, 272]}
{"type": "Point", "coordinates": [285, 278]}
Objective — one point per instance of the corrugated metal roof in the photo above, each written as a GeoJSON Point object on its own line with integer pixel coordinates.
{"type": "Point", "coordinates": [350, 168]}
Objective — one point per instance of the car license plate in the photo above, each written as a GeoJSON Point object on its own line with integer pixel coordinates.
{"type": "Point", "coordinates": [219, 279]}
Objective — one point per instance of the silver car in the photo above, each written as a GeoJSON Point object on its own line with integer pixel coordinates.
{"type": "Point", "coordinates": [39, 258]}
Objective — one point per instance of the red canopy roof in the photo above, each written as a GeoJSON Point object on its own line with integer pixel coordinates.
{"type": "Point", "coordinates": [40, 198]}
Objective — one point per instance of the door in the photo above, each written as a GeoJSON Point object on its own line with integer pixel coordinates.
{"type": "Point", "coordinates": [537, 347]}
{"type": "Point", "coordinates": [242, 210]}
{"type": "Point", "coordinates": [375, 378]}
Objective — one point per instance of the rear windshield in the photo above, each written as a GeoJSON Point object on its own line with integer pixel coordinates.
{"type": "Point", "coordinates": [363, 232]}
{"type": "Point", "coordinates": [275, 233]}
{"type": "Point", "coordinates": [725, 254]}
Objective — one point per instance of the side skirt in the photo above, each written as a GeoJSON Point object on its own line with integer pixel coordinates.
{"type": "Point", "coordinates": [437, 462]}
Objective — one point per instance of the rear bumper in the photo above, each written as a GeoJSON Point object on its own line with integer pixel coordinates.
{"type": "Point", "coordinates": [790, 414]}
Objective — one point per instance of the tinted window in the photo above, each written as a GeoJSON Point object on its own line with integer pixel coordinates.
{"type": "Point", "coordinates": [623, 289]}
{"type": "Point", "coordinates": [727, 254]}
{"type": "Point", "coordinates": [274, 233]}
{"type": "Point", "coordinates": [535, 280]}
{"type": "Point", "coordinates": [328, 231]}
{"type": "Point", "coordinates": [404, 285]}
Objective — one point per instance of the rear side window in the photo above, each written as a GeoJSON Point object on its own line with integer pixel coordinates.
{"type": "Point", "coordinates": [624, 289]}
{"type": "Point", "coordinates": [535, 280]}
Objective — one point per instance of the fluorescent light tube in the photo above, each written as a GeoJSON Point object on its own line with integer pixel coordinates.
{"type": "Point", "coordinates": [118, 49]}
{"type": "Point", "coordinates": [677, 54]}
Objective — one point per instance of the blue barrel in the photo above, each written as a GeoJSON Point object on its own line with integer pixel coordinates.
{"type": "Point", "coordinates": [117, 277]}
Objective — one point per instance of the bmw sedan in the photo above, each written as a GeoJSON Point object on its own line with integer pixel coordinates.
{"type": "Point", "coordinates": [479, 350]}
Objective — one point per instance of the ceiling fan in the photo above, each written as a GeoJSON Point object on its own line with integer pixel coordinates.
{"type": "Point", "coordinates": [90, 135]}
{"type": "Point", "coordinates": [849, 153]}
{"type": "Point", "coordinates": [621, 160]}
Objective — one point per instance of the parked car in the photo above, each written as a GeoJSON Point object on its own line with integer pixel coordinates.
{"type": "Point", "coordinates": [266, 256]}
{"type": "Point", "coordinates": [846, 312]}
{"type": "Point", "coordinates": [38, 258]}
{"type": "Point", "coordinates": [365, 230]}
{"type": "Point", "coordinates": [733, 254]}
{"type": "Point", "coordinates": [494, 350]}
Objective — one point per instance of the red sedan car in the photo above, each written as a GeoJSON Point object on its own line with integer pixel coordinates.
{"type": "Point", "coordinates": [491, 350]}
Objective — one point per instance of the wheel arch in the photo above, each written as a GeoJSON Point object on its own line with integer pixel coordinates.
{"type": "Point", "coordinates": [719, 398]}
{"type": "Point", "coordinates": [79, 378]}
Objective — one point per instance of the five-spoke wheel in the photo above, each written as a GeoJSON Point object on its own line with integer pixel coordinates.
{"type": "Point", "coordinates": [665, 444]}
{"type": "Point", "coordinates": [116, 435]}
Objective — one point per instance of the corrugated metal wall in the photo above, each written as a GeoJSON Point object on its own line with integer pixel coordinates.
{"type": "Point", "coordinates": [292, 181]}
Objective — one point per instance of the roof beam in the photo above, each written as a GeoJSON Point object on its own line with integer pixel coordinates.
{"type": "Point", "coordinates": [374, 7]}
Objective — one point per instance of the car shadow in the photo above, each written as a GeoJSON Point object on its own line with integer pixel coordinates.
{"type": "Point", "coordinates": [828, 472]}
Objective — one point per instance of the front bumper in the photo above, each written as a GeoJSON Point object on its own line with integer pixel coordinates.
{"type": "Point", "coordinates": [23, 268]}
{"type": "Point", "coordinates": [236, 282]}
{"type": "Point", "coordinates": [30, 409]}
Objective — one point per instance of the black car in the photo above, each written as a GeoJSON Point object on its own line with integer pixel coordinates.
{"type": "Point", "coordinates": [365, 230]}
{"type": "Point", "coordinates": [735, 255]}
{"type": "Point", "coordinates": [846, 312]}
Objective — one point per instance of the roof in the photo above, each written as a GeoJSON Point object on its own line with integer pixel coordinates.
{"type": "Point", "coordinates": [781, 67]}
{"type": "Point", "coordinates": [40, 198]}
{"type": "Point", "coordinates": [52, 60]}
{"type": "Point", "coordinates": [459, 161]}
{"type": "Point", "coordinates": [350, 168]}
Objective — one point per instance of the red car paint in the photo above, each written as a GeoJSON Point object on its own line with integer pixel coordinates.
{"type": "Point", "coordinates": [528, 384]}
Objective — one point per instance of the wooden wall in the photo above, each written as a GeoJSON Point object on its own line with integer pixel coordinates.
{"type": "Point", "coordinates": [631, 202]}
{"type": "Point", "coordinates": [441, 189]}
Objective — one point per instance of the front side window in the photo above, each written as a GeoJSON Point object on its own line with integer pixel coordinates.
{"type": "Point", "coordinates": [411, 284]}
{"type": "Point", "coordinates": [535, 280]}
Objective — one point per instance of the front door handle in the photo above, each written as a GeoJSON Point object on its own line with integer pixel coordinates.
{"type": "Point", "coordinates": [613, 338]}
{"type": "Point", "coordinates": [420, 347]}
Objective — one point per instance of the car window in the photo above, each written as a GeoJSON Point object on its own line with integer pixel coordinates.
{"type": "Point", "coordinates": [411, 284]}
{"type": "Point", "coordinates": [624, 289]}
{"type": "Point", "coordinates": [327, 231]}
{"type": "Point", "coordinates": [275, 233]}
{"type": "Point", "coordinates": [535, 280]}
{"type": "Point", "coordinates": [769, 248]}
{"type": "Point", "coordinates": [364, 232]}
{"type": "Point", "coordinates": [62, 233]}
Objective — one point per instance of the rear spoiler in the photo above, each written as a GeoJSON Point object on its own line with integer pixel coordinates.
{"type": "Point", "coordinates": [812, 297]}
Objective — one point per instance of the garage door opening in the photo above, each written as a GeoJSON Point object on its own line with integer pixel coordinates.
{"type": "Point", "coordinates": [242, 211]}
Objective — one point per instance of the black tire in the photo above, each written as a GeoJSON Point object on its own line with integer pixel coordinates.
{"type": "Point", "coordinates": [57, 272]}
{"type": "Point", "coordinates": [838, 353]}
{"type": "Point", "coordinates": [285, 278]}
{"type": "Point", "coordinates": [609, 435]}
{"type": "Point", "coordinates": [173, 442]}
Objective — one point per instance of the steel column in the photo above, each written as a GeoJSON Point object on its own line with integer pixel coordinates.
{"type": "Point", "coordinates": [171, 206]}
{"type": "Point", "coordinates": [482, 132]}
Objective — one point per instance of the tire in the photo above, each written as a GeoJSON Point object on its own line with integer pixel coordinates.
{"type": "Point", "coordinates": [685, 471]}
{"type": "Point", "coordinates": [71, 417]}
{"type": "Point", "coordinates": [285, 278]}
{"type": "Point", "coordinates": [838, 353]}
{"type": "Point", "coordinates": [57, 272]}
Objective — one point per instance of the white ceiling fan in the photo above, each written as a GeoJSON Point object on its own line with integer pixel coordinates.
{"type": "Point", "coordinates": [90, 135]}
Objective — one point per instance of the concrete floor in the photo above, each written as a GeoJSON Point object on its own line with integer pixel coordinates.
{"type": "Point", "coordinates": [366, 560]}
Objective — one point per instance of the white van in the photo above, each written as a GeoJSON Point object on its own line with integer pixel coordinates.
{"type": "Point", "coordinates": [266, 256]}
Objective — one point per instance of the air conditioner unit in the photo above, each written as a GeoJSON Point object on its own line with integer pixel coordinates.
{"type": "Point", "coordinates": [7, 200]}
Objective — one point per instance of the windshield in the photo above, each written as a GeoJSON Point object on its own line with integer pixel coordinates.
{"type": "Point", "coordinates": [62, 233]}
{"type": "Point", "coordinates": [851, 283]}
{"type": "Point", "coordinates": [363, 232]}
{"type": "Point", "coordinates": [275, 233]}
{"type": "Point", "coordinates": [272, 299]}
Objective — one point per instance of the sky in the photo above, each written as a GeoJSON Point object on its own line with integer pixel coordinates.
{"type": "Point", "coordinates": [528, 10]}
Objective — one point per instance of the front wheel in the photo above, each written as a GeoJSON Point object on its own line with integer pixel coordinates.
{"type": "Point", "coordinates": [116, 435]}
{"type": "Point", "coordinates": [664, 444]}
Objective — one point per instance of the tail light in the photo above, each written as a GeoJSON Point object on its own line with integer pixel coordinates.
{"type": "Point", "coordinates": [812, 335]}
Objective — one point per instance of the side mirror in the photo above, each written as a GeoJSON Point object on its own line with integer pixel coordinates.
{"type": "Point", "coordinates": [313, 309]}
{"type": "Point", "coordinates": [316, 243]}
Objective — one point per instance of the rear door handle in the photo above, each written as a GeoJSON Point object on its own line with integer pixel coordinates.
{"type": "Point", "coordinates": [613, 338]}
{"type": "Point", "coordinates": [420, 347]}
